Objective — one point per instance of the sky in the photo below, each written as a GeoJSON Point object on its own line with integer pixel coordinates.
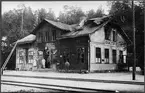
{"type": "Point", "coordinates": [56, 6]}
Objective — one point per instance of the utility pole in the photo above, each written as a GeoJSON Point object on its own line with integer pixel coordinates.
{"type": "Point", "coordinates": [22, 24]}
{"type": "Point", "coordinates": [21, 7]}
{"type": "Point", "coordinates": [134, 45]}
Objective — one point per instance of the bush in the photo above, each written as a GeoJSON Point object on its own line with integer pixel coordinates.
{"type": "Point", "coordinates": [121, 66]}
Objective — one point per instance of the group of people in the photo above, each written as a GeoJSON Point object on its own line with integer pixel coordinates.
{"type": "Point", "coordinates": [40, 63]}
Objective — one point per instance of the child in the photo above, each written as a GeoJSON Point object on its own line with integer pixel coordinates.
{"type": "Point", "coordinates": [67, 64]}
{"type": "Point", "coordinates": [43, 63]}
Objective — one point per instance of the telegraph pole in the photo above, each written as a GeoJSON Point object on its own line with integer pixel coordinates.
{"type": "Point", "coordinates": [21, 7]}
{"type": "Point", "coordinates": [22, 24]}
{"type": "Point", "coordinates": [134, 45]}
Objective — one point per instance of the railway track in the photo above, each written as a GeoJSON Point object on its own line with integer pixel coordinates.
{"type": "Point", "coordinates": [76, 79]}
{"type": "Point", "coordinates": [64, 85]}
{"type": "Point", "coordinates": [65, 89]}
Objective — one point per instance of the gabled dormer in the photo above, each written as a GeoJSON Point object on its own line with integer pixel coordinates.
{"type": "Point", "coordinates": [110, 33]}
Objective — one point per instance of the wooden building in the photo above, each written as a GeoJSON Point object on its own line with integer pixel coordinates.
{"type": "Point", "coordinates": [98, 44]}
{"type": "Point", "coordinates": [41, 43]}
{"type": "Point", "coordinates": [92, 45]}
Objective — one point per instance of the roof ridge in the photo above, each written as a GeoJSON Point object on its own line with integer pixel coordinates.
{"type": "Point", "coordinates": [60, 25]}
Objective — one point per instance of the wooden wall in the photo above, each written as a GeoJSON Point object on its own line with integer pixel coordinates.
{"type": "Point", "coordinates": [73, 44]}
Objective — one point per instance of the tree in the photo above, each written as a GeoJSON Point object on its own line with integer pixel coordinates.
{"type": "Point", "coordinates": [12, 23]}
{"type": "Point", "coordinates": [42, 14]}
{"type": "Point", "coordinates": [94, 14]}
{"type": "Point", "coordinates": [51, 15]}
{"type": "Point", "coordinates": [70, 14]}
{"type": "Point", "coordinates": [122, 14]}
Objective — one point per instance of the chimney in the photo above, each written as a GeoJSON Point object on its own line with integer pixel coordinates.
{"type": "Point", "coordinates": [82, 21]}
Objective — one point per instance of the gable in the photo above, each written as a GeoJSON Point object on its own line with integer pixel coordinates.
{"type": "Point", "coordinates": [121, 32]}
{"type": "Point", "coordinates": [47, 33]}
{"type": "Point", "coordinates": [113, 36]}
{"type": "Point", "coordinates": [97, 36]}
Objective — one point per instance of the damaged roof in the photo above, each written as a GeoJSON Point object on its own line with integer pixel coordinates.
{"type": "Point", "coordinates": [75, 30]}
{"type": "Point", "coordinates": [85, 31]}
{"type": "Point", "coordinates": [61, 25]}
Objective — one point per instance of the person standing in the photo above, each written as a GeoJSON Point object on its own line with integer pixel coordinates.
{"type": "Point", "coordinates": [67, 64]}
{"type": "Point", "coordinates": [34, 64]}
{"type": "Point", "coordinates": [43, 63]}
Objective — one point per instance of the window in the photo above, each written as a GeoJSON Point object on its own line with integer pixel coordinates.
{"type": "Point", "coordinates": [31, 53]}
{"type": "Point", "coordinates": [53, 34]}
{"type": "Point", "coordinates": [114, 56]}
{"type": "Point", "coordinates": [46, 36]}
{"type": "Point", "coordinates": [106, 55]}
{"type": "Point", "coordinates": [121, 56]}
{"type": "Point", "coordinates": [107, 33]}
{"type": "Point", "coordinates": [114, 35]}
{"type": "Point", "coordinates": [39, 39]}
{"type": "Point", "coordinates": [98, 55]}
{"type": "Point", "coordinates": [21, 56]}
{"type": "Point", "coordinates": [61, 33]}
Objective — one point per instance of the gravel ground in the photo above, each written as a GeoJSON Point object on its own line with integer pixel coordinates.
{"type": "Point", "coordinates": [12, 88]}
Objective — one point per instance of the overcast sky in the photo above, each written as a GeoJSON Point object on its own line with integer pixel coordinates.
{"type": "Point", "coordinates": [56, 6]}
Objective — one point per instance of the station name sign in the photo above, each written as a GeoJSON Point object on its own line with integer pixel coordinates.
{"type": "Point", "coordinates": [107, 42]}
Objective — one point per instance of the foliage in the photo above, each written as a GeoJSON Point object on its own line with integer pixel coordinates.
{"type": "Point", "coordinates": [42, 14]}
{"type": "Point", "coordinates": [93, 14]}
{"type": "Point", "coordinates": [122, 14]}
{"type": "Point", "coordinates": [121, 66]}
{"type": "Point", "coordinates": [18, 23]}
{"type": "Point", "coordinates": [71, 15]}
{"type": "Point", "coordinates": [12, 22]}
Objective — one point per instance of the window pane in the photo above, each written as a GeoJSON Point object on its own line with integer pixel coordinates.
{"type": "Point", "coordinates": [31, 53]}
{"type": "Point", "coordinates": [107, 33]}
{"type": "Point", "coordinates": [39, 39]}
{"type": "Point", "coordinates": [114, 56]}
{"type": "Point", "coordinates": [98, 55]}
{"type": "Point", "coordinates": [121, 56]}
{"type": "Point", "coordinates": [106, 55]}
{"type": "Point", "coordinates": [47, 36]}
{"type": "Point", "coordinates": [53, 34]}
{"type": "Point", "coordinates": [21, 56]}
{"type": "Point", "coordinates": [114, 35]}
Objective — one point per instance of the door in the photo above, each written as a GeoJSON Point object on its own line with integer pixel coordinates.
{"type": "Point", "coordinates": [82, 57]}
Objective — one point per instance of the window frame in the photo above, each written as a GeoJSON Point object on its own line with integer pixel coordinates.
{"type": "Point", "coordinates": [54, 35]}
{"type": "Point", "coordinates": [40, 37]}
{"type": "Point", "coordinates": [21, 56]}
{"type": "Point", "coordinates": [30, 55]}
{"type": "Point", "coordinates": [106, 56]}
{"type": "Point", "coordinates": [107, 33]}
{"type": "Point", "coordinates": [114, 51]}
{"type": "Point", "coordinates": [98, 55]}
{"type": "Point", "coordinates": [114, 35]}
